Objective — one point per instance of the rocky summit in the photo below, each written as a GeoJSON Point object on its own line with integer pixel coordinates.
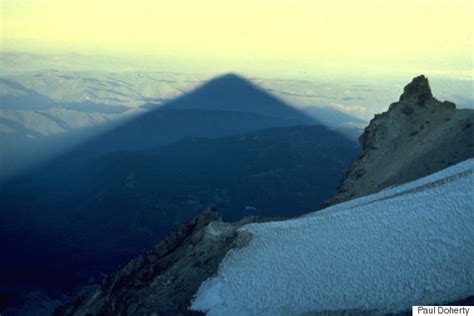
{"type": "Point", "coordinates": [417, 136]}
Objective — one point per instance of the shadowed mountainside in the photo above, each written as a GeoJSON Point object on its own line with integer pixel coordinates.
{"type": "Point", "coordinates": [100, 203]}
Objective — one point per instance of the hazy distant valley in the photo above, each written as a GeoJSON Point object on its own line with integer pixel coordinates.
{"type": "Point", "coordinates": [44, 111]}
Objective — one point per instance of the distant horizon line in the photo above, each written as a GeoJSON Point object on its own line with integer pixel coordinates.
{"type": "Point", "coordinates": [141, 62]}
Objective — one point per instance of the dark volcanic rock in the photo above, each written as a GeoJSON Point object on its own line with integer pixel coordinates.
{"type": "Point", "coordinates": [417, 136]}
{"type": "Point", "coordinates": [418, 91]}
{"type": "Point", "coordinates": [163, 280]}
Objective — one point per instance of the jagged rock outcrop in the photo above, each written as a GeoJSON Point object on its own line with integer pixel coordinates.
{"type": "Point", "coordinates": [417, 136]}
{"type": "Point", "coordinates": [163, 280]}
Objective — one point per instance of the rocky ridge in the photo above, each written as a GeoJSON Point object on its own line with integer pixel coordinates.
{"type": "Point", "coordinates": [417, 136]}
{"type": "Point", "coordinates": [163, 280]}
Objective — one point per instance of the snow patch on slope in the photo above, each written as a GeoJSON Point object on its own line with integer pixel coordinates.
{"type": "Point", "coordinates": [403, 246]}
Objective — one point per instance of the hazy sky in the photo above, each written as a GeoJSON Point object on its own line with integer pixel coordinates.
{"type": "Point", "coordinates": [401, 34]}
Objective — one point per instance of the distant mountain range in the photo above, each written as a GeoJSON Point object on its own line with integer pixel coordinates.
{"type": "Point", "coordinates": [223, 106]}
{"type": "Point", "coordinates": [43, 114]}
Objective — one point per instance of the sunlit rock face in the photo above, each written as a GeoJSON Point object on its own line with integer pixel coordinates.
{"type": "Point", "coordinates": [417, 136]}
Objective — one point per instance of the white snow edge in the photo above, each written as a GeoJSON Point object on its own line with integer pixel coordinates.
{"type": "Point", "coordinates": [404, 246]}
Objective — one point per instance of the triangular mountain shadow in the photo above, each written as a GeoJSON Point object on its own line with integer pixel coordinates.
{"type": "Point", "coordinates": [231, 92]}
{"type": "Point", "coordinates": [224, 106]}
{"type": "Point", "coordinates": [99, 203]}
